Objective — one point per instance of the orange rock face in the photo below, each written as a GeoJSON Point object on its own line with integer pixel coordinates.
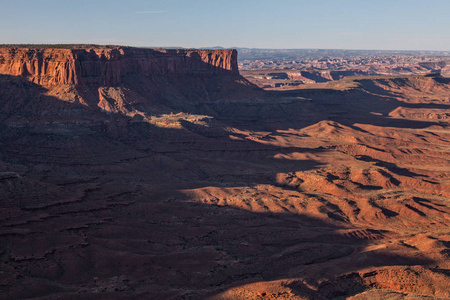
{"type": "Point", "coordinates": [184, 181]}
{"type": "Point", "coordinates": [106, 66]}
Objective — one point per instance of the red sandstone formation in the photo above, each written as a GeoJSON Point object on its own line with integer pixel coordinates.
{"type": "Point", "coordinates": [298, 72]}
{"type": "Point", "coordinates": [128, 173]}
{"type": "Point", "coordinates": [107, 66]}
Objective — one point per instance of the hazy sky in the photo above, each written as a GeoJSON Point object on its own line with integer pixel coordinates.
{"type": "Point", "coordinates": [342, 24]}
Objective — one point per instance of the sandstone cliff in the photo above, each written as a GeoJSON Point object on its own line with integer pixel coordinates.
{"type": "Point", "coordinates": [108, 65]}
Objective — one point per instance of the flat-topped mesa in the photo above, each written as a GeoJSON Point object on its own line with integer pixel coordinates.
{"type": "Point", "coordinates": [108, 65]}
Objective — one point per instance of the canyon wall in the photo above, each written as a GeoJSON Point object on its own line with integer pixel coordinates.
{"type": "Point", "coordinates": [108, 65]}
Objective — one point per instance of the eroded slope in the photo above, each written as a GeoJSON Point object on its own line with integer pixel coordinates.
{"type": "Point", "coordinates": [156, 189]}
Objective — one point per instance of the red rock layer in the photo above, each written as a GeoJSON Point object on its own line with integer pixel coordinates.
{"type": "Point", "coordinates": [107, 65]}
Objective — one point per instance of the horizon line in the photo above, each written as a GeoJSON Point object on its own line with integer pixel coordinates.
{"type": "Point", "coordinates": [217, 47]}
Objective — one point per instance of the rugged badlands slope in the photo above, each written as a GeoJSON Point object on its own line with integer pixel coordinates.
{"type": "Point", "coordinates": [163, 174]}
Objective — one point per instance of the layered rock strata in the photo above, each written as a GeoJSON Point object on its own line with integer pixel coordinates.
{"type": "Point", "coordinates": [108, 65]}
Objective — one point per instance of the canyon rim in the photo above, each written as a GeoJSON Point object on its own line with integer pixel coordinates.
{"type": "Point", "coordinates": [164, 174]}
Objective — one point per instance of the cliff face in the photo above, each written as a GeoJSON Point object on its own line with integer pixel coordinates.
{"type": "Point", "coordinates": [108, 65]}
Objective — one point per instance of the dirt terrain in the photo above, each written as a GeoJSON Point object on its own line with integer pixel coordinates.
{"type": "Point", "coordinates": [275, 69]}
{"type": "Point", "coordinates": [287, 79]}
{"type": "Point", "coordinates": [202, 186]}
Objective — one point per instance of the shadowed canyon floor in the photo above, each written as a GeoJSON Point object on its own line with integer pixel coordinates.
{"type": "Point", "coordinates": [333, 192]}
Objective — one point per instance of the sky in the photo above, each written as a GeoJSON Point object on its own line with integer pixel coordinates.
{"type": "Point", "coordinates": [279, 24]}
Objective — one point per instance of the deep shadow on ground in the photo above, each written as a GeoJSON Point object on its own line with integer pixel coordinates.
{"type": "Point", "coordinates": [94, 203]}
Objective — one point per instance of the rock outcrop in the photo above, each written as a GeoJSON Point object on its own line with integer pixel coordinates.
{"type": "Point", "coordinates": [108, 65]}
{"type": "Point", "coordinates": [185, 181]}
